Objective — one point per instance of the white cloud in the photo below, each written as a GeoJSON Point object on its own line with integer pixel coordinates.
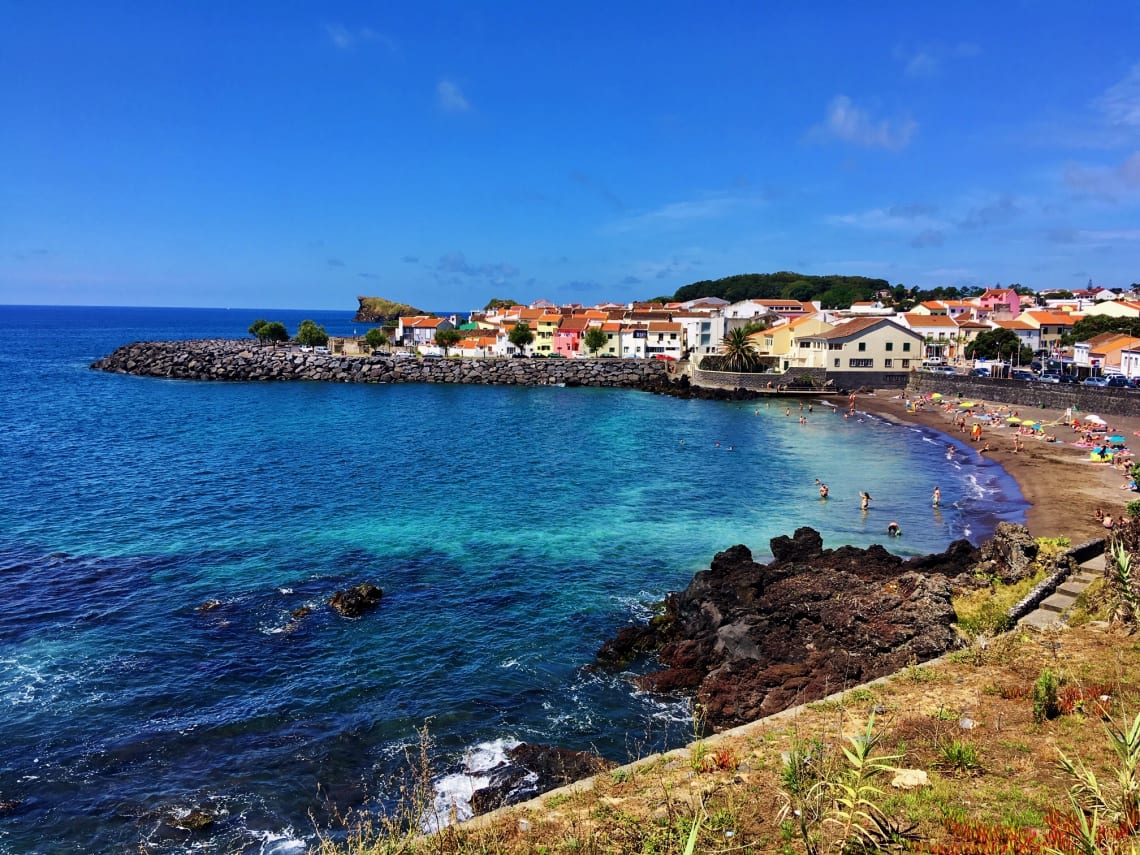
{"type": "Point", "coordinates": [895, 218]}
{"type": "Point", "coordinates": [346, 38]}
{"type": "Point", "coordinates": [922, 64]}
{"type": "Point", "coordinates": [677, 214]}
{"type": "Point", "coordinates": [848, 123]}
{"type": "Point", "coordinates": [1120, 103]}
{"type": "Point", "coordinates": [451, 98]}
{"type": "Point", "coordinates": [928, 60]}
{"type": "Point", "coordinates": [1106, 182]}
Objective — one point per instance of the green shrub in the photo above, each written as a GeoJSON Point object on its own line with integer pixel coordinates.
{"type": "Point", "coordinates": [1045, 697]}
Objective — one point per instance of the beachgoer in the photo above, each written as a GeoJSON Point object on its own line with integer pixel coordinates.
{"type": "Point", "coordinates": [976, 433]}
{"type": "Point", "coordinates": [811, 408]}
{"type": "Point", "coordinates": [823, 491]}
{"type": "Point", "coordinates": [893, 529]}
{"type": "Point", "coordinates": [864, 500]}
{"type": "Point", "coordinates": [788, 411]}
{"type": "Point", "coordinates": [936, 497]}
{"type": "Point", "coordinates": [1107, 523]}
{"type": "Point", "coordinates": [1017, 445]}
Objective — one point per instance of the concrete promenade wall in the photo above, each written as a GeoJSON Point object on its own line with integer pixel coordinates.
{"type": "Point", "coordinates": [237, 360]}
{"type": "Point", "coordinates": [1029, 393]}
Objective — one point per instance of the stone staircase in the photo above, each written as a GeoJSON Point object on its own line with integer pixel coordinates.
{"type": "Point", "coordinates": [1052, 609]}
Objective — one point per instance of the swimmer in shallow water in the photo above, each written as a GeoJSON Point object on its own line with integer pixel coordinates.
{"type": "Point", "coordinates": [893, 529]}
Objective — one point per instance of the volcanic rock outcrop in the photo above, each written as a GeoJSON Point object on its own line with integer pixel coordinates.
{"type": "Point", "coordinates": [752, 639]}
{"type": "Point", "coordinates": [532, 769]}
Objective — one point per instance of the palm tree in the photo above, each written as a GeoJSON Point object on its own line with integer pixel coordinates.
{"type": "Point", "coordinates": [738, 350]}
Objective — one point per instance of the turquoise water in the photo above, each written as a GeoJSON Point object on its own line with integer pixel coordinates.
{"type": "Point", "coordinates": [513, 530]}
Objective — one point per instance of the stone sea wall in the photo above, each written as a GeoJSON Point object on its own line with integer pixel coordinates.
{"type": "Point", "coordinates": [238, 360]}
{"type": "Point", "coordinates": [1028, 393]}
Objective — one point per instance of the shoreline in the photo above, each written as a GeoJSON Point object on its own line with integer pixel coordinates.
{"type": "Point", "coordinates": [1063, 487]}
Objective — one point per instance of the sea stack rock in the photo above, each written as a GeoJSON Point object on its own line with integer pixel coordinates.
{"type": "Point", "coordinates": [356, 601]}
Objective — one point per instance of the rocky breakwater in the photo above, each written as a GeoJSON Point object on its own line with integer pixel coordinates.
{"type": "Point", "coordinates": [237, 360]}
{"type": "Point", "coordinates": [752, 639]}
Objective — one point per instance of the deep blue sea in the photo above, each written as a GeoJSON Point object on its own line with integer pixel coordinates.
{"type": "Point", "coordinates": [512, 530]}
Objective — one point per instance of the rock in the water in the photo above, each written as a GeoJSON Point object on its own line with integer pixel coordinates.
{"type": "Point", "coordinates": [356, 601]}
{"type": "Point", "coordinates": [752, 639]}
{"type": "Point", "coordinates": [532, 770]}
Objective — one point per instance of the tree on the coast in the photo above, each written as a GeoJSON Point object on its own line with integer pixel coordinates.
{"type": "Point", "coordinates": [1094, 325]}
{"type": "Point", "coordinates": [312, 334]}
{"type": "Point", "coordinates": [255, 329]}
{"type": "Point", "coordinates": [595, 339]}
{"type": "Point", "coordinates": [447, 339]}
{"type": "Point", "coordinates": [274, 331]}
{"type": "Point", "coordinates": [521, 336]}
{"type": "Point", "coordinates": [738, 350]}
{"type": "Point", "coordinates": [376, 338]}
{"type": "Point", "coordinates": [999, 344]}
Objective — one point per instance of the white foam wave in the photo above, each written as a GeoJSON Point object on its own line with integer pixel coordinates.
{"type": "Point", "coordinates": [280, 843]}
{"type": "Point", "coordinates": [452, 800]}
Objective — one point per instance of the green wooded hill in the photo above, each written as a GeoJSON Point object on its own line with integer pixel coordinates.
{"type": "Point", "coordinates": [377, 310]}
{"type": "Point", "coordinates": [833, 292]}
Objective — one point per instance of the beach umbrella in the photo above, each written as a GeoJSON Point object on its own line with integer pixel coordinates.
{"type": "Point", "coordinates": [967, 404]}
{"type": "Point", "coordinates": [1013, 420]}
{"type": "Point", "coordinates": [937, 396]}
{"type": "Point", "coordinates": [1116, 439]}
{"type": "Point", "coordinates": [1096, 420]}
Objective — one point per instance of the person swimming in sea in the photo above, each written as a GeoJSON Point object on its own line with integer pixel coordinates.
{"type": "Point", "coordinates": [823, 491]}
{"type": "Point", "coordinates": [936, 497]}
{"type": "Point", "coordinates": [893, 529]}
{"type": "Point", "coordinates": [865, 500]}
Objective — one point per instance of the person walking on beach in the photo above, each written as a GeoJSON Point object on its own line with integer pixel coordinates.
{"type": "Point", "coordinates": [864, 500]}
{"type": "Point", "coordinates": [936, 497]}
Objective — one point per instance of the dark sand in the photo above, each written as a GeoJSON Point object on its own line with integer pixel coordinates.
{"type": "Point", "coordinates": [1063, 485]}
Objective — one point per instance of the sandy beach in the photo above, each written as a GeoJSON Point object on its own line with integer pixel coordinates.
{"type": "Point", "coordinates": [1064, 486]}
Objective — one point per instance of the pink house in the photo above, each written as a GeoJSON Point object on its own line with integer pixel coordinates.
{"type": "Point", "coordinates": [568, 339]}
{"type": "Point", "coordinates": [1000, 301]}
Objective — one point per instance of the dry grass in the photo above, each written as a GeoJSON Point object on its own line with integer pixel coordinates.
{"type": "Point", "coordinates": [967, 721]}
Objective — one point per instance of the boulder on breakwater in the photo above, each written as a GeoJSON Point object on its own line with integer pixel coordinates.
{"type": "Point", "coordinates": [752, 639]}
{"type": "Point", "coordinates": [238, 360]}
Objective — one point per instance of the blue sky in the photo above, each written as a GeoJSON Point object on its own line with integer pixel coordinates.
{"type": "Point", "coordinates": [296, 155]}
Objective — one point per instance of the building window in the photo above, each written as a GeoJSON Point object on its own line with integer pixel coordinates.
{"type": "Point", "coordinates": [862, 346]}
{"type": "Point", "coordinates": [906, 363]}
{"type": "Point", "coordinates": [860, 363]}
{"type": "Point", "coordinates": [890, 346]}
{"type": "Point", "coordinates": [887, 363]}
{"type": "Point", "coordinates": [837, 362]}
{"type": "Point", "coordinates": [906, 347]}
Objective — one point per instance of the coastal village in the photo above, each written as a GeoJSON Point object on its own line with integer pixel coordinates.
{"type": "Point", "coordinates": [786, 334]}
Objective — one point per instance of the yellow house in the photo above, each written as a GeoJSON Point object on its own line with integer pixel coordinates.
{"type": "Point", "coordinates": [545, 328]}
{"type": "Point", "coordinates": [782, 346]}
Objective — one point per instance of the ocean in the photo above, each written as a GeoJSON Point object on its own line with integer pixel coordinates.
{"type": "Point", "coordinates": [157, 536]}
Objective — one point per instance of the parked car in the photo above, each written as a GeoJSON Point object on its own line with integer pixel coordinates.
{"type": "Point", "coordinates": [1118, 381]}
{"type": "Point", "coordinates": [1048, 377]}
{"type": "Point", "coordinates": [320, 348]}
{"type": "Point", "coordinates": [1102, 382]}
{"type": "Point", "coordinates": [980, 372]}
{"type": "Point", "coordinates": [939, 369]}
{"type": "Point", "coordinates": [1067, 378]}
{"type": "Point", "coordinates": [1022, 374]}
{"type": "Point", "coordinates": [306, 348]}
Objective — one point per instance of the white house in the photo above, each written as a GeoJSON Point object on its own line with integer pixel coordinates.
{"type": "Point", "coordinates": [867, 344]}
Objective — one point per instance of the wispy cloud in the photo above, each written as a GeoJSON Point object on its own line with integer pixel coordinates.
{"type": "Point", "coordinates": [335, 262]}
{"type": "Point", "coordinates": [993, 213]}
{"type": "Point", "coordinates": [895, 218]}
{"type": "Point", "coordinates": [598, 188]}
{"type": "Point", "coordinates": [678, 214]}
{"type": "Point", "coordinates": [451, 98]}
{"type": "Point", "coordinates": [1105, 182]}
{"type": "Point", "coordinates": [929, 60]}
{"type": "Point", "coordinates": [410, 259]}
{"type": "Point", "coordinates": [849, 123]}
{"type": "Point", "coordinates": [456, 264]}
{"type": "Point", "coordinates": [348, 38]}
{"type": "Point", "coordinates": [1120, 103]}
{"type": "Point", "coordinates": [928, 238]}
